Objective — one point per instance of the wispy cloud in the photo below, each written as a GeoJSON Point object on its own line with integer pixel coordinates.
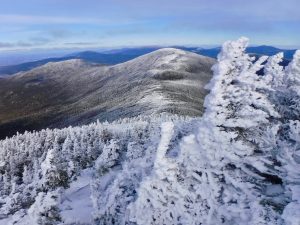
{"type": "Point", "coordinates": [6, 45]}
{"type": "Point", "coordinates": [80, 43]}
{"type": "Point", "coordinates": [43, 38]}
{"type": "Point", "coordinates": [125, 31]}
{"type": "Point", "coordinates": [19, 44]}
{"type": "Point", "coordinates": [60, 33]}
{"type": "Point", "coordinates": [31, 19]}
{"type": "Point", "coordinates": [40, 40]}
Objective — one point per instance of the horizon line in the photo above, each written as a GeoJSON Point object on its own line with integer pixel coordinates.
{"type": "Point", "coordinates": [86, 48]}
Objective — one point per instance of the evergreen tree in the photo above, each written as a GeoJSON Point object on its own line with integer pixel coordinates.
{"type": "Point", "coordinates": [292, 84]}
{"type": "Point", "coordinates": [108, 157]}
{"type": "Point", "coordinates": [44, 211]}
{"type": "Point", "coordinates": [54, 168]}
{"type": "Point", "coordinates": [288, 139]}
{"type": "Point", "coordinates": [221, 180]}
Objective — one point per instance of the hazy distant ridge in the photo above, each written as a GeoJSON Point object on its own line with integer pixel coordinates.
{"type": "Point", "coordinates": [112, 57]}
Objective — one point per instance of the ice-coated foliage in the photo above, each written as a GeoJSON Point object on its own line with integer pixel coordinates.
{"type": "Point", "coordinates": [290, 158]}
{"type": "Point", "coordinates": [293, 76]}
{"type": "Point", "coordinates": [222, 174]}
{"type": "Point", "coordinates": [288, 139]}
{"type": "Point", "coordinates": [45, 209]}
{"type": "Point", "coordinates": [36, 168]}
{"type": "Point", "coordinates": [234, 170]}
{"type": "Point", "coordinates": [274, 71]}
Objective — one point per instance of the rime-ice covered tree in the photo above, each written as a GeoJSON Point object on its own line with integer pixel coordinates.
{"type": "Point", "coordinates": [289, 157]}
{"type": "Point", "coordinates": [221, 175]}
{"type": "Point", "coordinates": [293, 69]}
{"type": "Point", "coordinates": [45, 210]}
{"type": "Point", "coordinates": [54, 168]}
{"type": "Point", "coordinates": [108, 157]}
{"type": "Point", "coordinates": [285, 85]}
{"type": "Point", "coordinates": [238, 113]}
{"type": "Point", "coordinates": [292, 85]}
{"type": "Point", "coordinates": [288, 139]}
{"type": "Point", "coordinates": [274, 72]}
{"type": "Point", "coordinates": [159, 193]}
{"type": "Point", "coordinates": [286, 96]}
{"type": "Point", "coordinates": [235, 98]}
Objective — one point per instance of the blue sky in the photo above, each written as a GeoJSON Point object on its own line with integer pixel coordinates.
{"type": "Point", "coordinates": [30, 24]}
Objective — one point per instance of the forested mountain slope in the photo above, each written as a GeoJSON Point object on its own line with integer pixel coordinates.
{"type": "Point", "coordinates": [75, 93]}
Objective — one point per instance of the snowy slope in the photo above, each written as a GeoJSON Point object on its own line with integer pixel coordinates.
{"type": "Point", "coordinates": [76, 204]}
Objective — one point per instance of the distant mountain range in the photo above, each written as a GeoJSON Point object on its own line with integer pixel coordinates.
{"type": "Point", "coordinates": [112, 57]}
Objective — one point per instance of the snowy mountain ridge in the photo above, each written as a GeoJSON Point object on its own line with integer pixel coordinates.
{"type": "Point", "coordinates": [74, 92]}
{"type": "Point", "coordinates": [236, 165]}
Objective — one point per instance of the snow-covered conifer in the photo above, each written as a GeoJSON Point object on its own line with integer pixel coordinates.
{"type": "Point", "coordinates": [220, 175]}
{"type": "Point", "coordinates": [108, 157]}
{"type": "Point", "coordinates": [45, 210]}
{"type": "Point", "coordinates": [274, 72]}
{"type": "Point", "coordinates": [292, 87]}
{"type": "Point", "coordinates": [288, 140]}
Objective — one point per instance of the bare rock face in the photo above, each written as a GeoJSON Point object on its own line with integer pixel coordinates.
{"type": "Point", "coordinates": [74, 92]}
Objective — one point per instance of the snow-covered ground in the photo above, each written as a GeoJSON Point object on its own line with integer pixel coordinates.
{"type": "Point", "coordinates": [76, 203]}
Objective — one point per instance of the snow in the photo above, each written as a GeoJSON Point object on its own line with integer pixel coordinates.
{"type": "Point", "coordinates": [291, 211]}
{"type": "Point", "coordinates": [155, 98]}
{"type": "Point", "coordinates": [14, 219]}
{"type": "Point", "coordinates": [76, 204]}
{"type": "Point", "coordinates": [167, 131]}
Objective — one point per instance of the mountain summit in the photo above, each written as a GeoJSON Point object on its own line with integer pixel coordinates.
{"type": "Point", "coordinates": [74, 92]}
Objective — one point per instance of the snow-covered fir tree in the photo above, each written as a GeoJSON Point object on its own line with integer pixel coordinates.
{"type": "Point", "coordinates": [221, 176]}
{"type": "Point", "coordinates": [288, 139]}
